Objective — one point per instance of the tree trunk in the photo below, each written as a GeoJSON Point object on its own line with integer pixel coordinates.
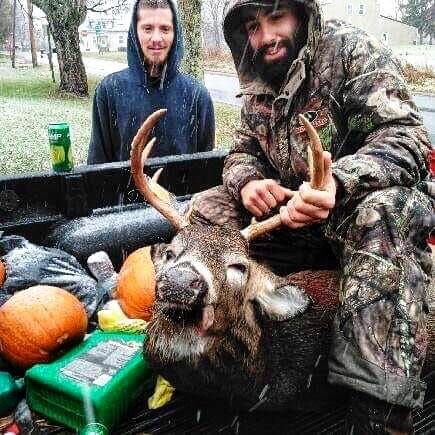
{"type": "Point", "coordinates": [190, 12]}
{"type": "Point", "coordinates": [14, 21]}
{"type": "Point", "coordinates": [64, 19]}
{"type": "Point", "coordinates": [50, 55]}
{"type": "Point", "coordinates": [71, 67]}
{"type": "Point", "coordinates": [31, 34]}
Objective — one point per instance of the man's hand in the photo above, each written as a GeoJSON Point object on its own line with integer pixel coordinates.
{"type": "Point", "coordinates": [310, 206]}
{"type": "Point", "coordinates": [261, 196]}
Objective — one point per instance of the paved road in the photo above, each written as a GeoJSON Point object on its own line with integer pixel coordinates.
{"type": "Point", "coordinates": [224, 87]}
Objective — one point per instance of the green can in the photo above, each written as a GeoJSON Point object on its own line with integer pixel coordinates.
{"type": "Point", "coordinates": [60, 147]}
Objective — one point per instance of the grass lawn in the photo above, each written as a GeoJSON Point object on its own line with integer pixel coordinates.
{"type": "Point", "coordinates": [29, 101]}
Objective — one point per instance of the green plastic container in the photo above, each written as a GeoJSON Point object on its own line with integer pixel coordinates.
{"type": "Point", "coordinates": [11, 392]}
{"type": "Point", "coordinates": [97, 382]}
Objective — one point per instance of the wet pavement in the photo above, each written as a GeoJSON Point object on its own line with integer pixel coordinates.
{"type": "Point", "coordinates": [224, 88]}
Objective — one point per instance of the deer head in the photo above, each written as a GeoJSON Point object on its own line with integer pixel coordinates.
{"type": "Point", "coordinates": [208, 290]}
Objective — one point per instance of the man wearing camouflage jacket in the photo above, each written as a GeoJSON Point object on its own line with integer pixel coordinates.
{"type": "Point", "coordinates": [372, 210]}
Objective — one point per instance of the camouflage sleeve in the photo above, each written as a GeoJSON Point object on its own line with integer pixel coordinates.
{"type": "Point", "coordinates": [246, 160]}
{"type": "Point", "coordinates": [386, 136]}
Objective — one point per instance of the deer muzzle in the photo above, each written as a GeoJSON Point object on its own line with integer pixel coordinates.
{"type": "Point", "coordinates": [181, 286]}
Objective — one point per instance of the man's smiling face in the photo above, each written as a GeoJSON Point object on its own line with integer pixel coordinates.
{"type": "Point", "coordinates": [155, 30]}
{"type": "Point", "coordinates": [271, 32]}
{"type": "Point", "coordinates": [275, 38]}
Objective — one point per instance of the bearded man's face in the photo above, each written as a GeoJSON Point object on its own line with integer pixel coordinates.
{"type": "Point", "coordinates": [275, 38]}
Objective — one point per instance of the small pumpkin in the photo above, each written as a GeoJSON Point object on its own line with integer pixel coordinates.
{"type": "Point", "coordinates": [35, 324]}
{"type": "Point", "coordinates": [2, 273]}
{"type": "Point", "coordinates": [135, 290]}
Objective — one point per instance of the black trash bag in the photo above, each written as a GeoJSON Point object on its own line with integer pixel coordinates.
{"type": "Point", "coordinates": [29, 265]}
{"type": "Point", "coordinates": [24, 419]}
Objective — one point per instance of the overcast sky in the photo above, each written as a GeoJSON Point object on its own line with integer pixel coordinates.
{"type": "Point", "coordinates": [388, 7]}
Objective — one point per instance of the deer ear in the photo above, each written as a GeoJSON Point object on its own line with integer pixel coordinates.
{"type": "Point", "coordinates": [282, 303]}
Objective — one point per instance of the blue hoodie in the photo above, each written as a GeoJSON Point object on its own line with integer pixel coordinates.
{"type": "Point", "coordinates": [123, 100]}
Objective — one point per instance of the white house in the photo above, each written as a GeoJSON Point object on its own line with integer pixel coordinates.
{"type": "Point", "coordinates": [366, 14]}
{"type": "Point", "coordinates": [104, 32]}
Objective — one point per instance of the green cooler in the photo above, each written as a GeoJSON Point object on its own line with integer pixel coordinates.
{"type": "Point", "coordinates": [98, 381]}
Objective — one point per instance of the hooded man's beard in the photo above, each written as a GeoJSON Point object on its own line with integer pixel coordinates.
{"type": "Point", "coordinates": [275, 72]}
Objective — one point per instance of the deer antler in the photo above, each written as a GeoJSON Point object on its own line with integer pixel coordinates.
{"type": "Point", "coordinates": [317, 175]}
{"type": "Point", "coordinates": [142, 181]}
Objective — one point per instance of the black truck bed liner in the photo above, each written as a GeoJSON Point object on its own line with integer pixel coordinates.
{"type": "Point", "coordinates": [49, 209]}
{"type": "Point", "coordinates": [186, 415]}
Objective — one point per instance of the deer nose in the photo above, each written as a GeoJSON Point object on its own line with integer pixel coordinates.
{"type": "Point", "coordinates": [181, 285]}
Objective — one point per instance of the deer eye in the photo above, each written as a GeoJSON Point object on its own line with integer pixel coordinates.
{"type": "Point", "coordinates": [169, 255]}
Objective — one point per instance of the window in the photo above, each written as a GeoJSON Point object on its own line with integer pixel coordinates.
{"type": "Point", "coordinates": [349, 9]}
{"type": "Point", "coordinates": [121, 39]}
{"type": "Point", "coordinates": [362, 10]}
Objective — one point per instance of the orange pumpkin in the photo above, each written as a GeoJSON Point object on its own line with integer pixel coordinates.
{"type": "Point", "coordinates": [136, 285]}
{"type": "Point", "coordinates": [35, 324]}
{"type": "Point", "coordinates": [2, 273]}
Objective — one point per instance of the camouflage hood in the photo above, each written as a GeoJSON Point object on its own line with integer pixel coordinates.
{"type": "Point", "coordinates": [237, 39]}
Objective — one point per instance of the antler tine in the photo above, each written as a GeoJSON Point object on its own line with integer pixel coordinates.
{"type": "Point", "coordinates": [160, 191]}
{"type": "Point", "coordinates": [317, 175]}
{"type": "Point", "coordinates": [141, 180]}
{"type": "Point", "coordinates": [315, 155]}
{"type": "Point", "coordinates": [156, 175]}
{"type": "Point", "coordinates": [260, 228]}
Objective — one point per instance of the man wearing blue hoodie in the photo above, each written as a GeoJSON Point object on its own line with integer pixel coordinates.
{"type": "Point", "coordinates": [152, 81]}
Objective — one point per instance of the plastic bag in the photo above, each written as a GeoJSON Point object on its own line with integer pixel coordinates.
{"type": "Point", "coordinates": [113, 319]}
{"type": "Point", "coordinates": [162, 394]}
{"type": "Point", "coordinates": [28, 265]}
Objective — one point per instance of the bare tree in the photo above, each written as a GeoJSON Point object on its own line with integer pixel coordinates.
{"type": "Point", "coordinates": [31, 33]}
{"type": "Point", "coordinates": [420, 14]}
{"type": "Point", "coordinates": [5, 20]}
{"type": "Point", "coordinates": [64, 19]}
{"type": "Point", "coordinates": [213, 14]}
{"type": "Point", "coordinates": [14, 23]}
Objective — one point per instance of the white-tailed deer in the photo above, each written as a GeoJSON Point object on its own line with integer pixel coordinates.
{"type": "Point", "coordinates": [226, 326]}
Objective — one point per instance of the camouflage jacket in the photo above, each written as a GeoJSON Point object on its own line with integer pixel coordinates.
{"type": "Point", "coordinates": [351, 88]}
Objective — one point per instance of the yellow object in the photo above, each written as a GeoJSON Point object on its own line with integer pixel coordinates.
{"type": "Point", "coordinates": [113, 319]}
{"type": "Point", "coordinates": [162, 394]}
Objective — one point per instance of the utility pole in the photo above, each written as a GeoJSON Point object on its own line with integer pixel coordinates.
{"type": "Point", "coordinates": [14, 16]}
{"type": "Point", "coordinates": [31, 33]}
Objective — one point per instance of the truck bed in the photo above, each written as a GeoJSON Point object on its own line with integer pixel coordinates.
{"type": "Point", "coordinates": [53, 209]}
{"type": "Point", "coordinates": [185, 415]}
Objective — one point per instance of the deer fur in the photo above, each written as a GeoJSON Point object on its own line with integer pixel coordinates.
{"type": "Point", "coordinates": [267, 333]}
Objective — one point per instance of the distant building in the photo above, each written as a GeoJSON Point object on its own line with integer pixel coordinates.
{"type": "Point", "coordinates": [366, 14]}
{"type": "Point", "coordinates": [104, 32]}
